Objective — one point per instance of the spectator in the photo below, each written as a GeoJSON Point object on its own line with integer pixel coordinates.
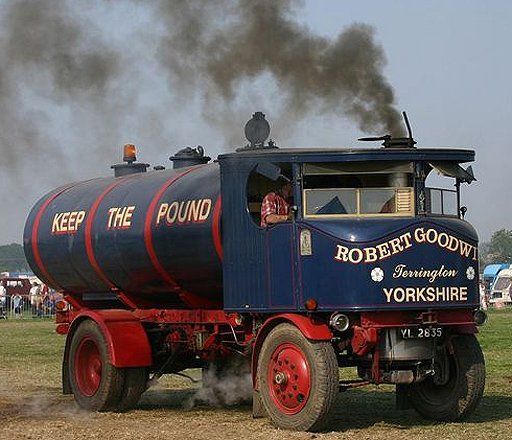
{"type": "Point", "coordinates": [483, 296]}
{"type": "Point", "coordinates": [17, 304]}
{"type": "Point", "coordinates": [39, 301]}
{"type": "Point", "coordinates": [3, 302]}
{"type": "Point", "coordinates": [35, 299]}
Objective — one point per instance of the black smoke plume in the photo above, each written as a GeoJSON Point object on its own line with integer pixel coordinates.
{"type": "Point", "coordinates": [214, 45]}
{"type": "Point", "coordinates": [48, 56]}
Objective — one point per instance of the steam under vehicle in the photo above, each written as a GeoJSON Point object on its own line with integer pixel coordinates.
{"type": "Point", "coordinates": [166, 270]}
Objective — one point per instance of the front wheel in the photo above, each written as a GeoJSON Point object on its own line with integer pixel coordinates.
{"type": "Point", "coordinates": [458, 396]}
{"type": "Point", "coordinates": [298, 379]}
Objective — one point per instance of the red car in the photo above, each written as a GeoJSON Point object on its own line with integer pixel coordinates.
{"type": "Point", "coordinates": [16, 285]}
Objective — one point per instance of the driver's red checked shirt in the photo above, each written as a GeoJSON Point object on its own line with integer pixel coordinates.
{"type": "Point", "coordinates": [273, 203]}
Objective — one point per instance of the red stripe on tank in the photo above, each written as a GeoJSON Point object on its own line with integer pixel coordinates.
{"type": "Point", "coordinates": [88, 233]}
{"type": "Point", "coordinates": [35, 234]}
{"type": "Point", "coordinates": [216, 234]}
{"type": "Point", "coordinates": [148, 233]}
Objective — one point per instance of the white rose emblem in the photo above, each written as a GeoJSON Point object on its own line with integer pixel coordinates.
{"type": "Point", "coordinates": [377, 274]}
{"type": "Point", "coordinates": [470, 273]}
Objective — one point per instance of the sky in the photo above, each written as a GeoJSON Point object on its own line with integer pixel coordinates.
{"type": "Point", "coordinates": [448, 62]}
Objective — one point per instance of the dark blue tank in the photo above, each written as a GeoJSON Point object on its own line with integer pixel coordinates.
{"type": "Point", "coordinates": [153, 236]}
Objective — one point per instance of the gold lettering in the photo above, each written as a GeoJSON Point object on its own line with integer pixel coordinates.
{"type": "Point", "coordinates": [193, 212]}
{"type": "Point", "coordinates": [383, 249]}
{"type": "Point", "coordinates": [355, 258]}
{"type": "Point", "coordinates": [398, 272]}
{"type": "Point", "coordinates": [170, 219]}
{"type": "Point", "coordinates": [111, 213]}
{"type": "Point", "coordinates": [164, 207]}
{"type": "Point", "coordinates": [341, 255]}
{"type": "Point", "coordinates": [56, 222]}
{"type": "Point", "coordinates": [206, 206]}
{"type": "Point", "coordinates": [399, 291]}
{"type": "Point", "coordinates": [410, 294]}
{"type": "Point", "coordinates": [431, 236]}
{"type": "Point", "coordinates": [388, 293]}
{"type": "Point", "coordinates": [67, 222]}
{"type": "Point", "coordinates": [443, 236]}
{"type": "Point", "coordinates": [407, 238]}
{"type": "Point", "coordinates": [79, 219]}
{"type": "Point", "coordinates": [465, 248]}
{"type": "Point", "coordinates": [396, 245]}
{"type": "Point", "coordinates": [127, 221]}
{"type": "Point", "coordinates": [453, 244]}
{"type": "Point", "coordinates": [64, 222]}
{"type": "Point", "coordinates": [370, 254]}
{"type": "Point", "coordinates": [419, 235]}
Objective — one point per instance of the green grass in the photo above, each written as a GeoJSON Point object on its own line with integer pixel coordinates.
{"type": "Point", "coordinates": [31, 355]}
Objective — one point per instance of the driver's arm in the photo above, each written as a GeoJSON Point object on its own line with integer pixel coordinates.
{"type": "Point", "coordinates": [276, 218]}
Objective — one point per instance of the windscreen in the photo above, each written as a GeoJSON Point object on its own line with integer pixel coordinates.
{"type": "Point", "coordinates": [358, 189]}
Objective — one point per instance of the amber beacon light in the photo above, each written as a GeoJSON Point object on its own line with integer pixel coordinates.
{"type": "Point", "coordinates": [129, 153]}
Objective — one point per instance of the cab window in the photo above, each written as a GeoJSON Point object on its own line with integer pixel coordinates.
{"type": "Point", "coordinates": [262, 180]}
{"type": "Point", "coordinates": [442, 190]}
{"type": "Point", "coordinates": [358, 189]}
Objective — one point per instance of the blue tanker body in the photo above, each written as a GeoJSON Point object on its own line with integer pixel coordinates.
{"type": "Point", "coordinates": [154, 236]}
{"type": "Point", "coordinates": [173, 269]}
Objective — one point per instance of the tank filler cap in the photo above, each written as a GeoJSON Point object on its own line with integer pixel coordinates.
{"type": "Point", "coordinates": [187, 157]}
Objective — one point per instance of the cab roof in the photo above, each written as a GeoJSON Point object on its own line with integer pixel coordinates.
{"type": "Point", "coordinates": [337, 154]}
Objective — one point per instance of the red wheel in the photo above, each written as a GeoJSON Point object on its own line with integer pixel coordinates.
{"type": "Point", "coordinates": [95, 383]}
{"type": "Point", "coordinates": [297, 379]}
{"type": "Point", "coordinates": [289, 378]}
{"type": "Point", "coordinates": [88, 366]}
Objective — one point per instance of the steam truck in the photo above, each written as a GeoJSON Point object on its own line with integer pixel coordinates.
{"type": "Point", "coordinates": [168, 269]}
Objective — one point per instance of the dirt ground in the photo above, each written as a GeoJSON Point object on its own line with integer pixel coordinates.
{"type": "Point", "coordinates": [32, 407]}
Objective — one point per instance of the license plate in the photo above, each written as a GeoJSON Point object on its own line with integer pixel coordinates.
{"type": "Point", "coordinates": [420, 332]}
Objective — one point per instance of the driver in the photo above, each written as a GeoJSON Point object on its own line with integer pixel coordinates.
{"type": "Point", "coordinates": [275, 207]}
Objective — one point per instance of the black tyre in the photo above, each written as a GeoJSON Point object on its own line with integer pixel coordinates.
{"type": "Point", "coordinates": [297, 379]}
{"type": "Point", "coordinates": [459, 396]}
{"type": "Point", "coordinates": [135, 383]}
{"type": "Point", "coordinates": [95, 383]}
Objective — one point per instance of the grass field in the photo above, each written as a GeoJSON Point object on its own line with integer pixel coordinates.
{"type": "Point", "coordinates": [31, 405]}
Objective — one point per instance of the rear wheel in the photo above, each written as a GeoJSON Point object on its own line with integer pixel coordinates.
{"type": "Point", "coordinates": [458, 395]}
{"type": "Point", "coordinates": [96, 384]}
{"type": "Point", "coordinates": [297, 379]}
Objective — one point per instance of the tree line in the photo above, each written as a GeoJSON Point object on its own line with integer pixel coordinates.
{"type": "Point", "coordinates": [498, 249]}
{"type": "Point", "coordinates": [12, 258]}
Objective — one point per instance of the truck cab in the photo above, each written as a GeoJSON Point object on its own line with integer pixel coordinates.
{"type": "Point", "coordinates": [366, 233]}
